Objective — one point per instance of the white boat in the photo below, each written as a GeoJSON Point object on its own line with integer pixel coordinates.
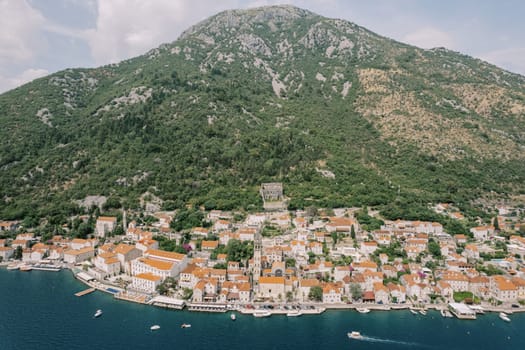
{"type": "Point", "coordinates": [362, 310]}
{"type": "Point", "coordinates": [414, 312]}
{"type": "Point", "coordinates": [423, 312]}
{"type": "Point", "coordinates": [232, 316]}
{"type": "Point", "coordinates": [477, 308]}
{"type": "Point", "coordinates": [185, 325]}
{"type": "Point", "coordinates": [445, 313]}
{"type": "Point", "coordinates": [262, 313]}
{"type": "Point", "coordinates": [504, 317]}
{"type": "Point", "coordinates": [98, 313]}
{"type": "Point", "coordinates": [355, 335]}
{"type": "Point", "coordinates": [294, 313]}
{"type": "Point", "coordinates": [13, 266]}
{"type": "Point", "coordinates": [25, 267]}
{"type": "Point", "coordinates": [154, 327]}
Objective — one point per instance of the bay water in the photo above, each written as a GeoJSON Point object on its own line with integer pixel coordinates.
{"type": "Point", "coordinates": [38, 310]}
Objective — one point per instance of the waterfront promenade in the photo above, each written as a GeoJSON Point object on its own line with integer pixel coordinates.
{"type": "Point", "coordinates": [278, 308]}
{"type": "Point", "coordinates": [309, 308]}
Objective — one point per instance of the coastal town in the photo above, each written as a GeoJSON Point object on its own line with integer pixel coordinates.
{"type": "Point", "coordinates": [289, 262]}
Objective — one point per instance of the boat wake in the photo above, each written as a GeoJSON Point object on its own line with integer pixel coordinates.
{"type": "Point", "coordinates": [390, 341]}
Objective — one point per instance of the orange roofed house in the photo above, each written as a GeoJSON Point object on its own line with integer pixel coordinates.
{"type": "Point", "coordinates": [75, 256]}
{"type": "Point", "coordinates": [178, 261]}
{"type": "Point", "coordinates": [145, 282]}
{"type": "Point", "coordinates": [342, 224]}
{"type": "Point", "coordinates": [163, 269]}
{"type": "Point", "coordinates": [272, 287]}
{"type": "Point", "coordinates": [126, 254]}
{"type": "Point", "coordinates": [6, 253]}
{"type": "Point", "coordinates": [503, 289]}
{"type": "Point", "coordinates": [332, 293]}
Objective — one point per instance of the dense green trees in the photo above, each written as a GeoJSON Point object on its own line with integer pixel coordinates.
{"type": "Point", "coordinates": [186, 219]}
{"type": "Point", "coordinates": [368, 223]}
{"type": "Point", "coordinates": [434, 249]}
{"type": "Point", "coordinates": [289, 262]}
{"type": "Point", "coordinates": [239, 251]}
{"type": "Point", "coordinates": [316, 293]}
{"type": "Point", "coordinates": [211, 131]}
{"type": "Point", "coordinates": [355, 291]}
{"type": "Point", "coordinates": [235, 250]}
{"type": "Point", "coordinates": [17, 255]}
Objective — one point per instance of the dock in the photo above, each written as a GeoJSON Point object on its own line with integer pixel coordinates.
{"type": "Point", "coordinates": [462, 311]}
{"type": "Point", "coordinates": [207, 307]}
{"type": "Point", "coordinates": [84, 292]}
{"type": "Point", "coordinates": [165, 302]}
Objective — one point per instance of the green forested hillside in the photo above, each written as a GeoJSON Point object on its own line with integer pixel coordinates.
{"type": "Point", "coordinates": [340, 115]}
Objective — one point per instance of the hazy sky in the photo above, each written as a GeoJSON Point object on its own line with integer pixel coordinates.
{"type": "Point", "coordinates": [39, 37]}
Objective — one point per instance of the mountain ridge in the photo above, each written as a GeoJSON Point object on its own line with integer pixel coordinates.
{"type": "Point", "coordinates": [266, 94]}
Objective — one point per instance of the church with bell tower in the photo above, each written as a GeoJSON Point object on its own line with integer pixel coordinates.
{"type": "Point", "coordinates": [256, 268]}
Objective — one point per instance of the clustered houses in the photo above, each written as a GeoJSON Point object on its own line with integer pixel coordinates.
{"type": "Point", "coordinates": [312, 259]}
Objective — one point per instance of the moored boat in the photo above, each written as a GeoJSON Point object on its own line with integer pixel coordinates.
{"type": "Point", "coordinates": [477, 309]}
{"type": "Point", "coordinates": [294, 313]}
{"type": "Point", "coordinates": [423, 312]}
{"type": "Point", "coordinates": [414, 312]}
{"type": "Point", "coordinates": [362, 310]}
{"type": "Point", "coordinates": [232, 317]}
{"type": "Point", "coordinates": [13, 266]}
{"type": "Point", "coordinates": [262, 313]}
{"type": "Point", "coordinates": [25, 267]}
{"type": "Point", "coordinates": [445, 313]}
{"type": "Point", "coordinates": [504, 317]}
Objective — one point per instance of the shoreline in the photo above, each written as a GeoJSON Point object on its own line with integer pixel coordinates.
{"type": "Point", "coordinates": [318, 308]}
{"type": "Point", "coordinates": [325, 307]}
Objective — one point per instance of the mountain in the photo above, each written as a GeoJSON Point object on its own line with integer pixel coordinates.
{"type": "Point", "coordinates": [340, 115]}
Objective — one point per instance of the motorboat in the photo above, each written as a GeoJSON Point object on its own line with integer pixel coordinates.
{"type": "Point", "coordinates": [262, 313]}
{"type": "Point", "coordinates": [232, 316]}
{"type": "Point", "coordinates": [185, 325]}
{"type": "Point", "coordinates": [355, 335]}
{"type": "Point", "coordinates": [423, 312]}
{"type": "Point", "coordinates": [504, 317]}
{"type": "Point", "coordinates": [478, 309]}
{"type": "Point", "coordinates": [414, 312]}
{"type": "Point", "coordinates": [362, 310]}
{"type": "Point", "coordinates": [25, 267]}
{"type": "Point", "coordinates": [294, 313]}
{"type": "Point", "coordinates": [98, 313]}
{"type": "Point", "coordinates": [154, 327]}
{"type": "Point", "coordinates": [445, 313]}
{"type": "Point", "coordinates": [13, 266]}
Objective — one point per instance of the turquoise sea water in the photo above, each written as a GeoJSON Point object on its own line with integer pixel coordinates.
{"type": "Point", "coordinates": [38, 310]}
